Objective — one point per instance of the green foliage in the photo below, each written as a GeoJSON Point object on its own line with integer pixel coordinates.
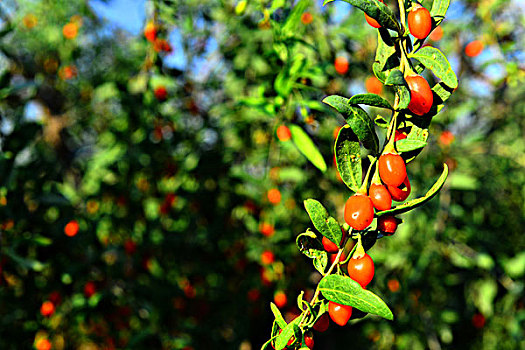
{"type": "Point", "coordinates": [348, 157]}
{"type": "Point", "coordinates": [344, 290]}
{"type": "Point", "coordinates": [171, 194]}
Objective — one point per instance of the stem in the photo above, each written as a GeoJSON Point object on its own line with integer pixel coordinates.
{"type": "Point", "coordinates": [404, 66]}
{"type": "Point", "coordinates": [364, 186]}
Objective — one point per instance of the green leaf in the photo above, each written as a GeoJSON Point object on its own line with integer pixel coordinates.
{"type": "Point", "coordinates": [294, 19]}
{"type": "Point", "coordinates": [348, 158]}
{"type": "Point", "coordinates": [306, 146]}
{"type": "Point", "coordinates": [442, 91]}
{"type": "Point", "coordinates": [407, 145]}
{"type": "Point", "coordinates": [346, 291]}
{"type": "Point", "coordinates": [283, 83]}
{"type": "Point", "coordinates": [358, 120]}
{"type": "Point", "coordinates": [385, 60]}
{"type": "Point", "coordinates": [323, 308]}
{"type": "Point", "coordinates": [323, 222]}
{"type": "Point", "coordinates": [278, 317]}
{"type": "Point", "coordinates": [307, 242]}
{"type": "Point", "coordinates": [26, 263]}
{"type": "Point", "coordinates": [370, 100]}
{"type": "Point", "coordinates": [381, 122]}
{"type": "Point", "coordinates": [434, 60]}
{"type": "Point", "coordinates": [376, 10]}
{"type": "Point", "coordinates": [439, 9]}
{"type": "Point", "coordinates": [463, 182]}
{"type": "Point", "coordinates": [416, 139]}
{"type": "Point", "coordinates": [396, 79]}
{"type": "Point", "coordinates": [289, 331]}
{"type": "Point", "coordinates": [403, 208]}
{"type": "Point", "coordinates": [514, 267]}
{"type": "Point", "coordinates": [311, 246]}
{"type": "Point", "coordinates": [41, 240]}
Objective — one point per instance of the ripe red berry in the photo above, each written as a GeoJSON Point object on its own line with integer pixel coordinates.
{"type": "Point", "coordinates": [372, 21]}
{"type": "Point", "coordinates": [361, 270]}
{"type": "Point", "coordinates": [359, 211]}
{"type": "Point", "coordinates": [474, 48]}
{"type": "Point", "coordinates": [478, 321]}
{"type": "Point", "coordinates": [71, 229]}
{"type": "Point", "coordinates": [274, 196]}
{"type": "Point", "coordinates": [280, 299]}
{"type": "Point", "coordinates": [266, 229]}
{"type": "Point", "coordinates": [290, 342]}
{"type": "Point", "coordinates": [341, 65]}
{"type": "Point", "coordinates": [400, 193]}
{"type": "Point", "coordinates": [380, 197]}
{"type": "Point", "coordinates": [161, 93]}
{"type": "Point", "coordinates": [392, 169]}
{"type": "Point", "coordinates": [421, 97]}
{"type": "Point", "coordinates": [399, 136]}
{"type": "Point", "coordinates": [373, 85]}
{"type": "Point", "coordinates": [342, 257]}
{"type": "Point", "coordinates": [446, 138]}
{"type": "Point", "coordinates": [340, 314]}
{"type": "Point", "coordinates": [267, 257]}
{"type": "Point", "coordinates": [330, 246]}
{"type": "Point", "coordinates": [436, 34]}
{"type": "Point", "coordinates": [150, 32]}
{"type": "Point", "coordinates": [47, 308]}
{"type": "Point", "coordinates": [55, 297]}
{"type": "Point", "coordinates": [419, 22]}
{"type": "Point", "coordinates": [90, 289]}
{"type": "Point", "coordinates": [283, 133]}
{"type": "Point", "coordinates": [309, 340]}
{"type": "Point", "coordinates": [321, 325]}
{"type": "Point", "coordinates": [307, 18]}
{"type": "Point", "coordinates": [387, 225]}
{"type": "Point", "coordinates": [43, 344]}
{"type": "Point", "coordinates": [130, 246]}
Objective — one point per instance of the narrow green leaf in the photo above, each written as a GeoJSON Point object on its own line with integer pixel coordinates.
{"type": "Point", "coordinates": [26, 263]}
{"type": "Point", "coordinates": [370, 100]}
{"type": "Point", "coordinates": [385, 60]}
{"type": "Point", "coordinates": [396, 79]}
{"type": "Point", "coordinates": [376, 10]}
{"type": "Point", "coordinates": [418, 66]}
{"type": "Point", "coordinates": [278, 317]}
{"type": "Point", "coordinates": [442, 91]}
{"type": "Point", "coordinates": [283, 83]}
{"type": "Point", "coordinates": [323, 308]}
{"type": "Point", "coordinates": [307, 242]}
{"type": "Point", "coordinates": [381, 122]}
{"type": "Point", "coordinates": [407, 145]}
{"type": "Point", "coordinates": [348, 158]}
{"type": "Point", "coordinates": [346, 291]}
{"type": "Point", "coordinates": [323, 222]}
{"type": "Point", "coordinates": [306, 146]}
{"type": "Point", "coordinates": [294, 19]}
{"type": "Point", "coordinates": [439, 10]}
{"type": "Point", "coordinates": [403, 208]}
{"type": "Point", "coordinates": [358, 120]}
{"type": "Point", "coordinates": [289, 331]}
{"type": "Point", "coordinates": [320, 261]}
{"type": "Point", "coordinates": [310, 245]}
{"type": "Point", "coordinates": [41, 240]}
{"type": "Point", "coordinates": [436, 61]}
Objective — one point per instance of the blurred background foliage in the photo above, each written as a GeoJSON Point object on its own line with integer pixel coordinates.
{"type": "Point", "coordinates": [162, 148]}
